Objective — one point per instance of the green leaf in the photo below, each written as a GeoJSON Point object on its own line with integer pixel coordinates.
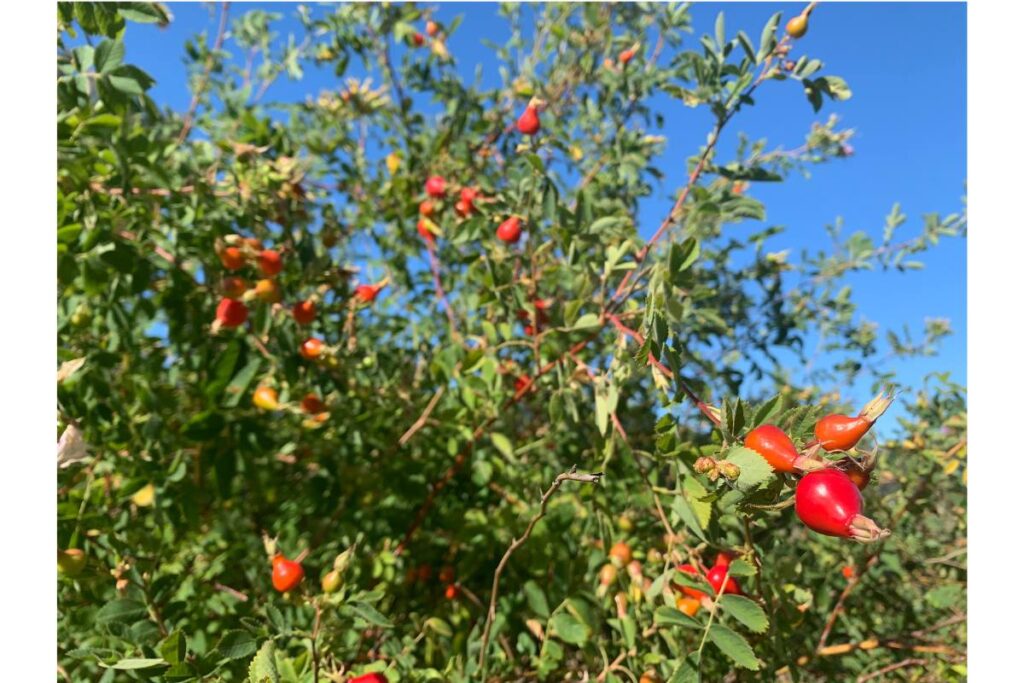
{"type": "Point", "coordinates": [240, 382]}
{"type": "Point", "coordinates": [236, 644]}
{"type": "Point", "coordinates": [766, 410]}
{"type": "Point", "coordinates": [745, 611]}
{"type": "Point", "coordinates": [439, 626]}
{"type": "Point", "coordinates": [173, 648]}
{"type": "Point", "coordinates": [503, 444]}
{"type": "Point", "coordinates": [120, 610]}
{"type": "Point", "coordinates": [263, 667]}
{"type": "Point", "coordinates": [369, 614]}
{"type": "Point", "coordinates": [754, 469]}
{"type": "Point", "coordinates": [536, 599]}
{"type": "Point", "coordinates": [670, 616]}
{"type": "Point", "coordinates": [568, 628]}
{"type": "Point", "coordinates": [734, 646]}
{"type": "Point", "coordinates": [741, 568]}
{"type": "Point", "coordinates": [109, 55]}
{"type": "Point", "coordinates": [695, 493]}
{"type": "Point", "coordinates": [688, 670]}
{"type": "Point", "coordinates": [836, 88]}
{"type": "Point", "coordinates": [135, 663]}
{"type": "Point", "coordinates": [587, 321]}
{"type": "Point", "coordinates": [768, 36]}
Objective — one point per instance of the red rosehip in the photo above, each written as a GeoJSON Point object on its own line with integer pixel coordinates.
{"type": "Point", "coordinates": [270, 262]}
{"type": "Point", "coordinates": [829, 503]}
{"type": "Point", "coordinates": [716, 576]}
{"type": "Point", "coordinates": [529, 122]}
{"type": "Point", "coordinates": [304, 312]}
{"type": "Point", "coordinates": [435, 186]}
{"type": "Point", "coordinates": [417, 39]}
{"type": "Point", "coordinates": [233, 287]}
{"type": "Point", "coordinates": [375, 677]}
{"type": "Point", "coordinates": [426, 208]}
{"type": "Point", "coordinates": [464, 208]}
{"type": "Point", "coordinates": [232, 258]}
{"type": "Point", "coordinates": [723, 559]}
{"type": "Point", "coordinates": [522, 381]}
{"type": "Point", "coordinates": [311, 348]}
{"type": "Point", "coordinates": [626, 56]}
{"type": "Point", "coordinates": [510, 230]}
{"type": "Point", "coordinates": [849, 572]}
{"type": "Point", "coordinates": [451, 591]}
{"type": "Point", "coordinates": [286, 574]}
{"type": "Point", "coordinates": [842, 432]}
{"type": "Point", "coordinates": [231, 313]}
{"type": "Point", "coordinates": [432, 28]}
{"type": "Point", "coordinates": [367, 293]}
{"type": "Point", "coordinates": [772, 444]}
{"type": "Point", "coordinates": [312, 404]}
{"type": "Point", "coordinates": [424, 231]}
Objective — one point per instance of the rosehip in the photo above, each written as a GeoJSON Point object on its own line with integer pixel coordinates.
{"type": "Point", "coordinates": [469, 194]}
{"type": "Point", "coordinates": [522, 381]}
{"type": "Point", "coordinates": [423, 228]}
{"type": "Point", "coordinates": [842, 432]}
{"type": "Point", "coordinates": [311, 348]}
{"type": "Point", "coordinates": [417, 39]}
{"type": "Point", "coordinates": [331, 582]}
{"type": "Point", "coordinates": [626, 56]}
{"type": "Point", "coordinates": [265, 398]}
{"type": "Point", "coordinates": [620, 554]}
{"type": "Point", "coordinates": [607, 574]}
{"type": "Point", "coordinates": [510, 230]}
{"type": "Point", "coordinates": [71, 562]}
{"type": "Point", "coordinates": [432, 28]}
{"type": "Point", "coordinates": [312, 404]}
{"type": "Point", "coordinates": [426, 208]}
{"type": "Point", "coordinates": [772, 444]}
{"type": "Point", "coordinates": [270, 262]}
{"type": "Point", "coordinates": [232, 258]}
{"type": "Point", "coordinates": [849, 572]}
{"type": "Point", "coordinates": [367, 293]}
{"type": "Point", "coordinates": [231, 313]}
{"type": "Point", "coordinates": [285, 574]}
{"type": "Point", "coordinates": [268, 290]}
{"type": "Point", "coordinates": [464, 208]}
{"type": "Point", "coordinates": [723, 559]}
{"type": "Point", "coordinates": [375, 677]}
{"type": "Point", "coordinates": [797, 26]}
{"type": "Point", "coordinates": [435, 186]}
{"type": "Point", "coordinates": [716, 577]}
{"type": "Point", "coordinates": [447, 574]}
{"type": "Point", "coordinates": [233, 287]}
{"type": "Point", "coordinates": [688, 606]}
{"type": "Point", "coordinates": [829, 503]}
{"type": "Point", "coordinates": [529, 122]}
{"type": "Point", "coordinates": [304, 312]}
{"type": "Point", "coordinates": [451, 591]}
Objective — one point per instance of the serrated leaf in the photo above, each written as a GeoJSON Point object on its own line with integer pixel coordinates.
{"type": "Point", "coordinates": [536, 599]}
{"type": "Point", "coordinates": [740, 567]}
{"type": "Point", "coordinates": [263, 667]}
{"type": "Point", "coordinates": [173, 648]}
{"type": "Point", "coordinates": [688, 670]}
{"type": "Point", "coordinates": [134, 663]}
{"type": "Point", "coordinates": [586, 321]}
{"type": "Point", "coordinates": [745, 611]}
{"type": "Point", "coordinates": [754, 469]}
{"type": "Point", "coordinates": [109, 55]}
{"type": "Point", "coordinates": [236, 644]}
{"type": "Point", "coordinates": [673, 617]}
{"type": "Point", "coordinates": [368, 613]}
{"type": "Point", "coordinates": [695, 494]}
{"type": "Point", "coordinates": [766, 410]}
{"type": "Point", "coordinates": [734, 646]}
{"type": "Point", "coordinates": [120, 610]}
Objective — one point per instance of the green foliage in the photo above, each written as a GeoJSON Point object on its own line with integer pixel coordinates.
{"type": "Point", "coordinates": [428, 457]}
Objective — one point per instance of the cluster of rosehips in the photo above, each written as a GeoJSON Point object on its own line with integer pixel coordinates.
{"type": "Point", "coordinates": [235, 252]}
{"type": "Point", "coordinates": [828, 498]}
{"type": "Point", "coordinates": [437, 189]}
{"type": "Point", "coordinates": [286, 575]}
{"type": "Point", "coordinates": [446, 576]}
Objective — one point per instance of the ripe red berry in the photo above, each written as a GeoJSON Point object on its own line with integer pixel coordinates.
{"type": "Point", "coordinates": [510, 230]}
{"type": "Point", "coordinates": [424, 231]}
{"type": "Point", "coordinates": [842, 432]}
{"type": "Point", "coordinates": [312, 404]}
{"type": "Point", "coordinates": [367, 293]}
{"type": "Point", "coordinates": [270, 262]}
{"type": "Point", "coordinates": [233, 287]}
{"type": "Point", "coordinates": [232, 258]}
{"type": "Point", "coordinates": [435, 186]}
{"type": "Point", "coordinates": [716, 577]}
{"type": "Point", "coordinates": [432, 28]}
{"type": "Point", "coordinates": [522, 381]}
{"type": "Point", "coordinates": [375, 677]}
{"type": "Point", "coordinates": [626, 55]}
{"type": "Point", "coordinates": [304, 312]}
{"type": "Point", "coordinates": [774, 446]}
{"type": "Point", "coordinates": [417, 39]}
{"type": "Point", "coordinates": [529, 122]}
{"type": "Point", "coordinates": [231, 313]}
{"type": "Point", "coordinates": [451, 591]}
{"type": "Point", "coordinates": [829, 503]}
{"type": "Point", "coordinates": [285, 574]}
{"type": "Point", "coordinates": [426, 208]}
{"type": "Point", "coordinates": [464, 208]}
{"type": "Point", "coordinates": [692, 592]}
{"type": "Point", "coordinates": [848, 572]}
{"type": "Point", "coordinates": [311, 348]}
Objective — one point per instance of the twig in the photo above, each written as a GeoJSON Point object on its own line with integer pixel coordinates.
{"type": "Point", "coordinates": [435, 269]}
{"type": "Point", "coordinates": [312, 638]}
{"type": "Point", "coordinates": [237, 594]}
{"type": "Point", "coordinates": [422, 419]}
{"type": "Point", "coordinates": [207, 68]}
{"type": "Point", "coordinates": [571, 475]}
{"type": "Point", "coordinates": [892, 667]}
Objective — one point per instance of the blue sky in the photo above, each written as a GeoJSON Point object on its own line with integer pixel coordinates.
{"type": "Point", "coordinates": [906, 64]}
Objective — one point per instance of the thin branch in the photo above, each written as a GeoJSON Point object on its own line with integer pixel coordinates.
{"type": "Point", "coordinates": [571, 475]}
{"type": "Point", "coordinates": [892, 667]}
{"type": "Point", "coordinates": [435, 269]}
{"type": "Point", "coordinates": [205, 78]}
{"type": "Point", "coordinates": [422, 419]}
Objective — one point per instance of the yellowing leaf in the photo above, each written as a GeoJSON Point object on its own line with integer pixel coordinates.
{"type": "Point", "coordinates": [68, 368]}
{"type": "Point", "coordinates": [393, 161]}
{"type": "Point", "coordinates": [145, 497]}
{"type": "Point", "coordinates": [71, 448]}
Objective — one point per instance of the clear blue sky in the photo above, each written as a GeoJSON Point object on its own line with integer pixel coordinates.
{"type": "Point", "coordinates": [906, 64]}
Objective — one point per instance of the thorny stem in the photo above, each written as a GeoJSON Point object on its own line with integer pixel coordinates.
{"type": "Point", "coordinates": [571, 475]}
